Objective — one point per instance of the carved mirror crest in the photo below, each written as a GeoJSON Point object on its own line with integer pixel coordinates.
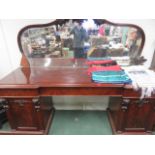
{"type": "Point", "coordinates": [82, 38]}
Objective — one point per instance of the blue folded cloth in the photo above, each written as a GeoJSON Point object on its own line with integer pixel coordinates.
{"type": "Point", "coordinates": [116, 82]}
{"type": "Point", "coordinates": [96, 58]}
{"type": "Point", "coordinates": [116, 77]}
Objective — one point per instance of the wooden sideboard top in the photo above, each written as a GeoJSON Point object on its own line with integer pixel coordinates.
{"type": "Point", "coordinates": [51, 73]}
{"type": "Point", "coordinates": [50, 77]}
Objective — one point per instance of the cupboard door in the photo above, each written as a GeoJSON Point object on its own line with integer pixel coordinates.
{"type": "Point", "coordinates": [137, 115]}
{"type": "Point", "coordinates": [21, 114]}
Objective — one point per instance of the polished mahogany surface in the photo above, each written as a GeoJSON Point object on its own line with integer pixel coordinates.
{"type": "Point", "coordinates": [25, 91]}
{"type": "Point", "coordinates": [52, 73]}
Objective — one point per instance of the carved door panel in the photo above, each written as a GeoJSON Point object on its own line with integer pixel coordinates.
{"type": "Point", "coordinates": [138, 115]}
{"type": "Point", "coordinates": [21, 114]}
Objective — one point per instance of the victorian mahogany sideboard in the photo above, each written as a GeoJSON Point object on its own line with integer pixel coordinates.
{"type": "Point", "coordinates": [27, 97]}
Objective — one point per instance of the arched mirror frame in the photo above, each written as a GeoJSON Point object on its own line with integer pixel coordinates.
{"type": "Point", "coordinates": [25, 62]}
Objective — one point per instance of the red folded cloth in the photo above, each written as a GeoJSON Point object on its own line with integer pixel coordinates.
{"type": "Point", "coordinates": [100, 62]}
{"type": "Point", "coordinates": [102, 68]}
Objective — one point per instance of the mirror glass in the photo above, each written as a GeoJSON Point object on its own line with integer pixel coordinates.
{"type": "Point", "coordinates": [79, 38]}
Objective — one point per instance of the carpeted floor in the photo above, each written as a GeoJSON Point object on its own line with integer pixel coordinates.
{"type": "Point", "coordinates": [78, 123]}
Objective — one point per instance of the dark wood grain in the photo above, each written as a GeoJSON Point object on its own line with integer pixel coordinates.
{"type": "Point", "coordinates": [22, 86]}
{"type": "Point", "coordinates": [58, 74]}
{"type": "Point", "coordinates": [131, 115]}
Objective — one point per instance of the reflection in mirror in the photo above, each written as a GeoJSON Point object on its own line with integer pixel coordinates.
{"type": "Point", "coordinates": [89, 39]}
